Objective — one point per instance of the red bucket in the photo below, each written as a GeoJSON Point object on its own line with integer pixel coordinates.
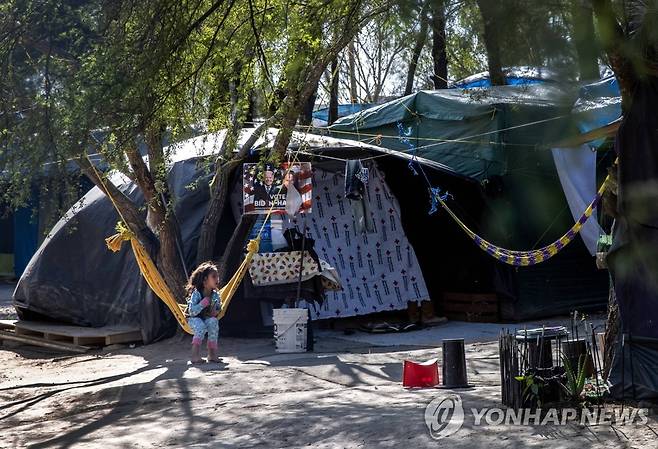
{"type": "Point", "coordinates": [424, 374]}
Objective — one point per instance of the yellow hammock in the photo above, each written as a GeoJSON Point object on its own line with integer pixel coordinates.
{"type": "Point", "coordinates": [159, 286]}
{"type": "Point", "coordinates": [154, 278]}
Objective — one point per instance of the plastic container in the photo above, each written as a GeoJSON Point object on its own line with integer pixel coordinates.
{"type": "Point", "coordinates": [418, 375]}
{"type": "Point", "coordinates": [290, 329]}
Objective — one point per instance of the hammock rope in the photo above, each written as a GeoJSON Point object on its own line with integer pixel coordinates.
{"type": "Point", "coordinates": [525, 258]}
{"type": "Point", "coordinates": [153, 276]}
{"type": "Point", "coordinates": [507, 256]}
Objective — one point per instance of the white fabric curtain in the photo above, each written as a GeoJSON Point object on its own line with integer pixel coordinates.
{"type": "Point", "coordinates": [577, 170]}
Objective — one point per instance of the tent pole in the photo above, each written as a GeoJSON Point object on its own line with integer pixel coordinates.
{"type": "Point", "coordinates": [301, 263]}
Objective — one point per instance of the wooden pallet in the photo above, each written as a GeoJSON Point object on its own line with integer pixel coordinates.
{"type": "Point", "coordinates": [474, 307]}
{"type": "Point", "coordinates": [78, 335]}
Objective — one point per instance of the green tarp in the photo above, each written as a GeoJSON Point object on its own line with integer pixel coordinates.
{"type": "Point", "coordinates": [474, 132]}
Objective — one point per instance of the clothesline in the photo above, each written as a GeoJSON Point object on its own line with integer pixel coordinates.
{"type": "Point", "coordinates": [373, 137]}
{"type": "Point", "coordinates": [439, 141]}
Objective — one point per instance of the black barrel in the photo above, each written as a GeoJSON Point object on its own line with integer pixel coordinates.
{"type": "Point", "coordinates": [454, 363]}
{"type": "Point", "coordinates": [540, 353]}
{"type": "Point", "coordinates": [573, 350]}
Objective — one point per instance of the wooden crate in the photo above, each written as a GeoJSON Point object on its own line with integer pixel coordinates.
{"type": "Point", "coordinates": [474, 307]}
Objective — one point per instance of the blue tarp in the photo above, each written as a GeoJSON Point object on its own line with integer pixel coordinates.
{"type": "Point", "coordinates": [509, 80]}
{"type": "Point", "coordinates": [343, 110]}
{"type": "Point", "coordinates": [598, 104]}
{"type": "Point", "coordinates": [26, 237]}
{"type": "Point", "coordinates": [514, 76]}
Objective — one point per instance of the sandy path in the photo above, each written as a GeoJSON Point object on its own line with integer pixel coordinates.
{"type": "Point", "coordinates": [344, 395]}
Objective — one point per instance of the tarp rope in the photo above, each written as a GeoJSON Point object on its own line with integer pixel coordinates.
{"type": "Point", "coordinates": [510, 257]}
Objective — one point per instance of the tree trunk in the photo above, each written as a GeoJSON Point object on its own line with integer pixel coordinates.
{"type": "Point", "coordinates": [235, 246]}
{"type": "Point", "coordinates": [161, 220]}
{"type": "Point", "coordinates": [309, 79]}
{"type": "Point", "coordinates": [219, 191]}
{"type": "Point", "coordinates": [306, 116]}
{"type": "Point", "coordinates": [352, 72]}
{"type": "Point", "coordinates": [421, 38]}
{"type": "Point", "coordinates": [615, 45]}
{"type": "Point", "coordinates": [129, 210]}
{"type": "Point", "coordinates": [614, 42]}
{"type": "Point", "coordinates": [491, 25]}
{"type": "Point", "coordinates": [333, 92]}
{"type": "Point", "coordinates": [439, 55]}
{"type": "Point", "coordinates": [585, 40]}
{"type": "Point", "coordinates": [291, 110]}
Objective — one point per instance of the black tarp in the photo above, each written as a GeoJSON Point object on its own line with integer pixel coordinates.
{"type": "Point", "coordinates": [451, 262]}
{"type": "Point", "coordinates": [633, 258]}
{"type": "Point", "coordinates": [73, 278]}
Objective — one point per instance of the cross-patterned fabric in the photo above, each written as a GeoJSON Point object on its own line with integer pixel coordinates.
{"type": "Point", "coordinates": [379, 271]}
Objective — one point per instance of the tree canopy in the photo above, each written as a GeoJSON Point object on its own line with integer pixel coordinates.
{"type": "Point", "coordinates": [118, 80]}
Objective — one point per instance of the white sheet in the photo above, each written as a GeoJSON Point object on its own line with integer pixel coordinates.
{"type": "Point", "coordinates": [577, 170]}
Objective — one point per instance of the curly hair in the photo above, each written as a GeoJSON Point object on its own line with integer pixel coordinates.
{"type": "Point", "coordinates": [199, 276]}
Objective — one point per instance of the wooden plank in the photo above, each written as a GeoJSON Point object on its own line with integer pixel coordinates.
{"type": "Point", "coordinates": [34, 341]}
{"type": "Point", "coordinates": [127, 337]}
{"type": "Point", "coordinates": [471, 308]}
{"type": "Point", "coordinates": [74, 331]}
{"type": "Point", "coordinates": [8, 324]}
{"type": "Point", "coordinates": [471, 317]}
{"type": "Point", "coordinates": [470, 297]}
{"type": "Point", "coordinates": [474, 307]}
{"type": "Point", "coordinates": [27, 332]}
{"type": "Point", "coordinates": [89, 341]}
{"type": "Point", "coordinates": [55, 337]}
{"type": "Point", "coordinates": [78, 335]}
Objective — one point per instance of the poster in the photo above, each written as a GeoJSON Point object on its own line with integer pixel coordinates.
{"type": "Point", "coordinates": [280, 189]}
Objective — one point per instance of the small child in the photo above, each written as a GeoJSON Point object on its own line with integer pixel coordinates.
{"type": "Point", "coordinates": [204, 306]}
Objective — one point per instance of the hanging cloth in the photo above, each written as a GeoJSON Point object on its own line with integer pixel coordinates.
{"type": "Point", "coordinates": [356, 183]}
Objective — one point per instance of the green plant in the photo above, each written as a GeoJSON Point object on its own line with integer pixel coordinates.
{"type": "Point", "coordinates": [575, 379]}
{"type": "Point", "coordinates": [532, 388]}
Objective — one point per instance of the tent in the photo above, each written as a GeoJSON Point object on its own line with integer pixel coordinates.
{"type": "Point", "coordinates": [490, 148]}
{"type": "Point", "coordinates": [74, 278]}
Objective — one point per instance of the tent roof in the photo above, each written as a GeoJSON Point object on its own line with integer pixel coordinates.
{"type": "Point", "coordinates": [471, 131]}
{"type": "Point", "coordinates": [457, 104]}
{"type": "Point", "coordinates": [598, 105]}
{"type": "Point", "coordinates": [315, 145]}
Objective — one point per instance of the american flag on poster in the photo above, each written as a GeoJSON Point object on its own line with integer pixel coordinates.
{"type": "Point", "coordinates": [268, 187]}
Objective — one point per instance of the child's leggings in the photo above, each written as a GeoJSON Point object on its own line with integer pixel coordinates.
{"type": "Point", "coordinates": [201, 326]}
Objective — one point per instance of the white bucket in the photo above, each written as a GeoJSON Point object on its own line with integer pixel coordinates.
{"type": "Point", "coordinates": [290, 327]}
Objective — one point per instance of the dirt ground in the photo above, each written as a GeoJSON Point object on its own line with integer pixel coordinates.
{"type": "Point", "coordinates": [345, 394]}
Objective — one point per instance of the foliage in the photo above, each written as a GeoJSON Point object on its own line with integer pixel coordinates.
{"type": "Point", "coordinates": [532, 389]}
{"type": "Point", "coordinates": [575, 379]}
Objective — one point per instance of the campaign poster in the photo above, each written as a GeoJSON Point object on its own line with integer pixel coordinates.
{"type": "Point", "coordinates": [284, 189]}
